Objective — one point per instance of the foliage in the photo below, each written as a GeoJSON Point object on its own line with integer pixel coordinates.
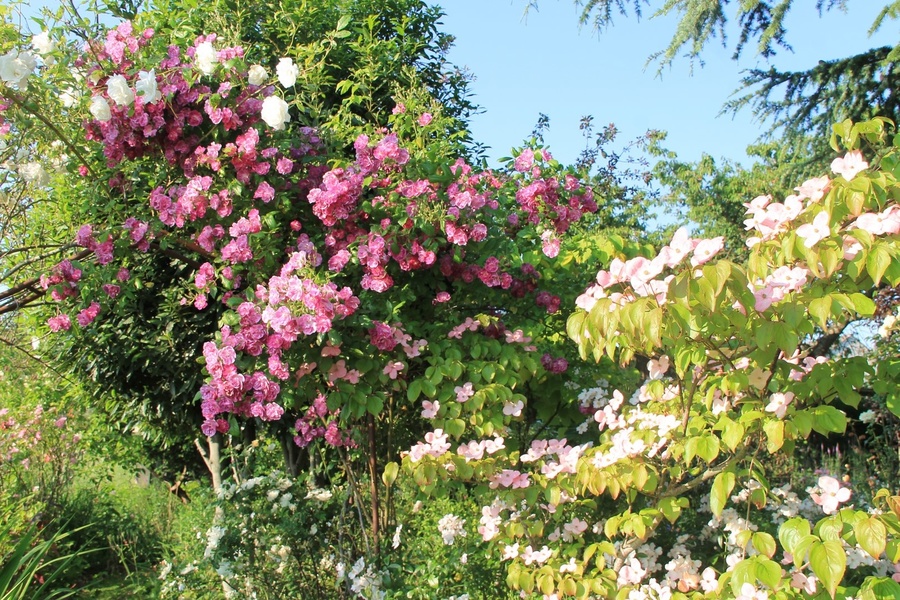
{"type": "Point", "coordinates": [31, 567]}
{"type": "Point", "coordinates": [393, 322]}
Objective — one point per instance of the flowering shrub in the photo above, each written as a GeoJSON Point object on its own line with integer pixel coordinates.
{"type": "Point", "coordinates": [406, 293]}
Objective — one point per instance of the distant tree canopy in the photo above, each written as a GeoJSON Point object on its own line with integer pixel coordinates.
{"type": "Point", "coordinates": [799, 105]}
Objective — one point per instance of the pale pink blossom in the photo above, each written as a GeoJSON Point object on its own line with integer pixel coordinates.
{"type": "Point", "coordinates": [657, 368]}
{"type": "Point", "coordinates": [886, 222]}
{"type": "Point", "coordinates": [813, 232]}
{"type": "Point", "coordinates": [831, 496]}
{"type": "Point", "coordinates": [848, 166]}
{"type": "Point", "coordinates": [779, 402]}
{"type": "Point", "coordinates": [464, 392]}
{"type": "Point", "coordinates": [800, 581]}
{"type": "Point", "coordinates": [513, 409]}
{"type": "Point", "coordinates": [851, 247]}
{"type": "Point", "coordinates": [430, 409]}
{"type": "Point", "coordinates": [814, 188]}
{"type": "Point", "coordinates": [706, 250]}
{"type": "Point", "coordinates": [394, 368]}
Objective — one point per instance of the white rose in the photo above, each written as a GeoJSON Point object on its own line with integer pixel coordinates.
{"type": "Point", "coordinates": [287, 72]}
{"type": "Point", "coordinates": [146, 87]}
{"type": "Point", "coordinates": [34, 173]}
{"type": "Point", "coordinates": [42, 43]}
{"type": "Point", "coordinates": [100, 109]}
{"type": "Point", "coordinates": [69, 97]}
{"type": "Point", "coordinates": [119, 91]}
{"type": "Point", "coordinates": [257, 75]}
{"type": "Point", "coordinates": [205, 58]}
{"type": "Point", "coordinates": [275, 112]}
{"type": "Point", "coordinates": [15, 67]}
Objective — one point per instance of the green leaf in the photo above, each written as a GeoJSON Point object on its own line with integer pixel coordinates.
{"type": "Point", "coordinates": [871, 535]}
{"type": "Point", "coordinates": [414, 389]}
{"type": "Point", "coordinates": [389, 476]}
{"type": "Point", "coordinates": [827, 419]}
{"type": "Point", "coordinates": [877, 262]}
{"type": "Point", "coordinates": [732, 434]}
{"type": "Point", "coordinates": [791, 533]}
{"type": "Point", "coordinates": [720, 491]}
{"type": "Point", "coordinates": [708, 448]}
{"type": "Point", "coordinates": [863, 304]}
{"type": "Point", "coordinates": [764, 543]}
{"type": "Point", "coordinates": [828, 561]}
{"type": "Point", "coordinates": [774, 435]}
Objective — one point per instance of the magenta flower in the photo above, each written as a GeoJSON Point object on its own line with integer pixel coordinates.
{"type": "Point", "coordinates": [425, 119]}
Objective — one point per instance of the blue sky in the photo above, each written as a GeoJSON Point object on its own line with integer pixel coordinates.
{"type": "Point", "coordinates": [548, 63]}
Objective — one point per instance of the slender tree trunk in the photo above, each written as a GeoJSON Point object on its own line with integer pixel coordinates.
{"type": "Point", "coordinates": [373, 478]}
{"type": "Point", "coordinates": [213, 459]}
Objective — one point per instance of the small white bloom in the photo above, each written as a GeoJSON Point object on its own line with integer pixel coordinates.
{"type": "Point", "coordinates": [42, 44]}
{"type": "Point", "coordinates": [146, 87]}
{"type": "Point", "coordinates": [33, 172]}
{"type": "Point", "coordinates": [69, 97]}
{"type": "Point", "coordinates": [319, 494]}
{"type": "Point", "coordinates": [100, 109]}
{"type": "Point", "coordinates": [15, 68]}
{"type": "Point", "coordinates": [257, 75]}
{"type": "Point", "coordinates": [287, 72]}
{"type": "Point", "coordinates": [868, 416]}
{"type": "Point", "coordinates": [275, 112]}
{"type": "Point", "coordinates": [119, 91]}
{"type": "Point", "coordinates": [205, 58]}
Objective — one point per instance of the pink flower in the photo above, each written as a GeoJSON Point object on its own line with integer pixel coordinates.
{"type": "Point", "coordinates": [814, 188]}
{"type": "Point", "coordinates": [815, 231]}
{"type": "Point", "coordinates": [706, 249]}
{"type": "Point", "coordinates": [887, 222]}
{"type": "Point", "coordinates": [464, 392]}
{"type": "Point", "coordinates": [779, 402]}
{"type": "Point", "coordinates": [657, 368]}
{"type": "Point", "coordinates": [848, 166]}
{"type": "Point", "coordinates": [430, 409]}
{"type": "Point", "coordinates": [513, 409]}
{"type": "Point", "coordinates": [399, 109]}
{"type": "Point", "coordinates": [59, 323]}
{"type": "Point", "coordinates": [831, 496]}
{"type": "Point", "coordinates": [425, 119]}
{"type": "Point", "coordinates": [392, 369]}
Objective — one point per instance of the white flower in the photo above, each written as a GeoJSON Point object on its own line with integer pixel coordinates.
{"type": "Point", "coordinates": [42, 44]}
{"type": "Point", "coordinates": [450, 527]}
{"type": "Point", "coordinates": [275, 112]}
{"type": "Point", "coordinates": [395, 541]}
{"type": "Point", "coordinates": [100, 109]}
{"type": "Point", "coordinates": [257, 75]}
{"type": "Point", "coordinates": [287, 72]}
{"type": "Point", "coordinates": [119, 91]}
{"type": "Point", "coordinates": [69, 97]}
{"type": "Point", "coordinates": [33, 172]}
{"type": "Point", "coordinates": [146, 87]}
{"type": "Point", "coordinates": [15, 67]}
{"type": "Point", "coordinates": [868, 416]}
{"type": "Point", "coordinates": [205, 58]}
{"type": "Point", "coordinates": [319, 494]}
